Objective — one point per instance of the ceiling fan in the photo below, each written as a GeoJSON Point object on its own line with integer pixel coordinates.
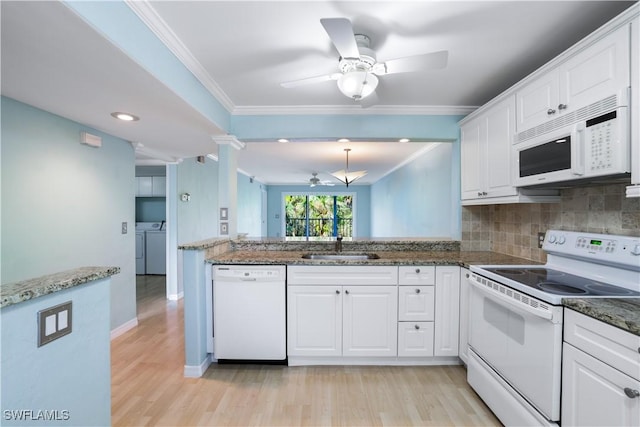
{"type": "Point", "coordinates": [314, 180]}
{"type": "Point", "coordinates": [358, 66]}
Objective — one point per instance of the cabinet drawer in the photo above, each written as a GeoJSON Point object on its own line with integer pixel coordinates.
{"type": "Point", "coordinates": [613, 346]}
{"type": "Point", "coordinates": [416, 303]}
{"type": "Point", "coordinates": [415, 339]}
{"type": "Point", "coordinates": [341, 275]}
{"type": "Point", "coordinates": [417, 275]}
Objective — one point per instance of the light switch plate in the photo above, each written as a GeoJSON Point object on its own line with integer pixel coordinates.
{"type": "Point", "coordinates": [54, 322]}
{"type": "Point", "coordinates": [540, 239]}
{"type": "Point", "coordinates": [124, 228]}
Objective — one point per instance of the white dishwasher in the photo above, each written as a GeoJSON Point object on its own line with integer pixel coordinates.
{"type": "Point", "coordinates": [249, 312]}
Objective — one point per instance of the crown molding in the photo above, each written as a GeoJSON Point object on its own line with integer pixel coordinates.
{"type": "Point", "coordinates": [159, 27]}
{"type": "Point", "coordinates": [229, 140]}
{"type": "Point", "coordinates": [398, 110]}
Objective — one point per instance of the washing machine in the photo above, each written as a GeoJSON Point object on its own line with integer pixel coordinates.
{"type": "Point", "coordinates": [141, 244]}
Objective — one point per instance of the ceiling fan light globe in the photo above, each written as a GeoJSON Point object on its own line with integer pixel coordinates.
{"type": "Point", "coordinates": [357, 84]}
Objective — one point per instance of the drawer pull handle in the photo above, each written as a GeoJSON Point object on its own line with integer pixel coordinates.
{"type": "Point", "coordinates": [562, 107]}
{"type": "Point", "coordinates": [417, 291]}
{"type": "Point", "coordinates": [551, 112]}
{"type": "Point", "coordinates": [417, 271]}
{"type": "Point", "coordinates": [631, 393]}
{"type": "Point", "coordinates": [337, 292]}
{"type": "Point", "coordinates": [418, 327]}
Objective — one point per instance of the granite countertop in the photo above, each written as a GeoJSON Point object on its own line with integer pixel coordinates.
{"type": "Point", "coordinates": [447, 257]}
{"type": "Point", "coordinates": [621, 312]}
{"type": "Point", "coordinates": [25, 290]}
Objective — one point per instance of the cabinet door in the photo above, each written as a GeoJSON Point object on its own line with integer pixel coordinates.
{"type": "Point", "coordinates": [144, 186]}
{"type": "Point", "coordinates": [500, 125]}
{"type": "Point", "coordinates": [415, 303]}
{"type": "Point", "coordinates": [463, 339]}
{"type": "Point", "coordinates": [472, 152]}
{"type": "Point", "coordinates": [593, 393]}
{"type": "Point", "coordinates": [597, 72]}
{"type": "Point", "coordinates": [314, 320]}
{"type": "Point", "coordinates": [415, 339]}
{"type": "Point", "coordinates": [447, 311]}
{"type": "Point", "coordinates": [159, 186]}
{"type": "Point", "coordinates": [370, 316]}
{"type": "Point", "coordinates": [537, 101]}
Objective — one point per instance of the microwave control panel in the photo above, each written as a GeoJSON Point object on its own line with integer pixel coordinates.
{"type": "Point", "coordinates": [602, 137]}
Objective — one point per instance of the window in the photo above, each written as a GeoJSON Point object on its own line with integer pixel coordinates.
{"type": "Point", "coordinates": [318, 216]}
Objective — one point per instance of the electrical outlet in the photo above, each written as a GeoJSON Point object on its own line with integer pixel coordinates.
{"type": "Point", "coordinates": [124, 228]}
{"type": "Point", "coordinates": [540, 239]}
{"type": "Point", "coordinates": [54, 322]}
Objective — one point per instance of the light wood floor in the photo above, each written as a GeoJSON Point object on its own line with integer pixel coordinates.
{"type": "Point", "coordinates": [148, 387]}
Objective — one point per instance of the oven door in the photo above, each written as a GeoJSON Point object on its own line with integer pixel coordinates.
{"type": "Point", "coordinates": [520, 338]}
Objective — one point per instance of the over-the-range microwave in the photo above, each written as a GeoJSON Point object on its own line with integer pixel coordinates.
{"type": "Point", "coordinates": [598, 147]}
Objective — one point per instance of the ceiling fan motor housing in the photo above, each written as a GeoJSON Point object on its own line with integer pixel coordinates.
{"type": "Point", "coordinates": [367, 57]}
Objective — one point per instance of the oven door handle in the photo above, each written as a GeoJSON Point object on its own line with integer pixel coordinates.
{"type": "Point", "coordinates": [506, 300]}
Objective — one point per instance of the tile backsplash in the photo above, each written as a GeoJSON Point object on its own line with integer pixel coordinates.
{"type": "Point", "coordinates": [513, 229]}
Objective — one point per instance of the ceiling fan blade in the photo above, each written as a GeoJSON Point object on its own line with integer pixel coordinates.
{"type": "Point", "coordinates": [311, 80]}
{"type": "Point", "coordinates": [340, 32]}
{"type": "Point", "coordinates": [428, 61]}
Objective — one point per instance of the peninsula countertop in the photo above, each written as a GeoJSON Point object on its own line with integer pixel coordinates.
{"type": "Point", "coordinates": [445, 257]}
{"type": "Point", "coordinates": [25, 290]}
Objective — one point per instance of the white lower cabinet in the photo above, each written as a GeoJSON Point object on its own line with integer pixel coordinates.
{"type": "Point", "coordinates": [593, 393]}
{"type": "Point", "coordinates": [600, 373]}
{"type": "Point", "coordinates": [341, 319]}
{"type": "Point", "coordinates": [415, 339]}
{"type": "Point", "coordinates": [373, 314]}
{"type": "Point", "coordinates": [463, 339]}
{"type": "Point", "coordinates": [314, 320]}
{"type": "Point", "coordinates": [447, 311]}
{"type": "Point", "coordinates": [369, 318]}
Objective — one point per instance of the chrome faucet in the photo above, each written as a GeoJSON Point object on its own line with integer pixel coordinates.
{"type": "Point", "coordinates": [338, 243]}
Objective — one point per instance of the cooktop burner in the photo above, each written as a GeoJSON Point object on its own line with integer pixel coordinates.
{"type": "Point", "coordinates": [560, 283]}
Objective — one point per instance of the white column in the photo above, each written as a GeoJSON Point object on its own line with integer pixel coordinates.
{"type": "Point", "coordinates": [228, 148]}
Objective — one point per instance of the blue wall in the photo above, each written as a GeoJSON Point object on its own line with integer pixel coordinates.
{"type": "Point", "coordinates": [276, 193]}
{"type": "Point", "coordinates": [416, 200]}
{"type": "Point", "coordinates": [63, 202]}
{"type": "Point", "coordinates": [72, 373]}
{"type": "Point", "coordinates": [250, 206]}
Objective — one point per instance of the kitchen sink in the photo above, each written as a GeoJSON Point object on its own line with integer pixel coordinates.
{"type": "Point", "coordinates": [341, 256]}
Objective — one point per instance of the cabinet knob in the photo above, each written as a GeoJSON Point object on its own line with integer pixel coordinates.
{"type": "Point", "coordinates": [418, 327]}
{"type": "Point", "coordinates": [417, 271]}
{"type": "Point", "coordinates": [417, 291]}
{"type": "Point", "coordinates": [562, 106]}
{"type": "Point", "coordinates": [467, 275]}
{"type": "Point", "coordinates": [551, 112]}
{"type": "Point", "coordinates": [631, 393]}
{"type": "Point", "coordinates": [337, 292]}
{"type": "Point", "coordinates": [346, 292]}
{"type": "Point", "coordinates": [479, 193]}
{"type": "Point", "coordinates": [484, 193]}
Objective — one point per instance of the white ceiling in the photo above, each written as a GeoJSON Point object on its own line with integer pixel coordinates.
{"type": "Point", "coordinates": [243, 50]}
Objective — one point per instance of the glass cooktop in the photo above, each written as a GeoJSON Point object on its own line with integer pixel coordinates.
{"type": "Point", "coordinates": [560, 283]}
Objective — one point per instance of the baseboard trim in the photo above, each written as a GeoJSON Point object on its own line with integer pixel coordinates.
{"type": "Point", "coordinates": [196, 371]}
{"type": "Point", "coordinates": [124, 328]}
{"type": "Point", "coordinates": [175, 297]}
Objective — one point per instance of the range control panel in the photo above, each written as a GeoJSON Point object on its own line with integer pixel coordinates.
{"type": "Point", "coordinates": [604, 247]}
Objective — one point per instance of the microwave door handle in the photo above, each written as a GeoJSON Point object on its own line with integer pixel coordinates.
{"type": "Point", "coordinates": [510, 302]}
{"type": "Point", "coordinates": [577, 149]}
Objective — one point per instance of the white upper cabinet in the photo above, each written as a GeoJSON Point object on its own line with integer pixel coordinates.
{"type": "Point", "coordinates": [592, 75]}
{"type": "Point", "coordinates": [151, 186]}
{"type": "Point", "coordinates": [486, 148]}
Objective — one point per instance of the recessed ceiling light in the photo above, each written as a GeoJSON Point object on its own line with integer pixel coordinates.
{"type": "Point", "coordinates": [125, 116]}
{"type": "Point", "coordinates": [404, 140]}
{"type": "Point", "coordinates": [283, 140]}
{"type": "Point", "coordinates": [344, 140]}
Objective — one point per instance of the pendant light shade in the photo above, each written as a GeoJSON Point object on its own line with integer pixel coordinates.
{"type": "Point", "coordinates": [357, 84]}
{"type": "Point", "coordinates": [345, 176]}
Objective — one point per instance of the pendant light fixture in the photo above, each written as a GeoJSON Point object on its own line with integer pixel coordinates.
{"type": "Point", "coordinates": [345, 176]}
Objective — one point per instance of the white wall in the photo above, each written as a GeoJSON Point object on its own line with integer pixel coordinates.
{"type": "Point", "coordinates": [63, 203]}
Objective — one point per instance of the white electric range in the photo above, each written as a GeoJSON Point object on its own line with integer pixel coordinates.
{"type": "Point", "coordinates": [516, 319]}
